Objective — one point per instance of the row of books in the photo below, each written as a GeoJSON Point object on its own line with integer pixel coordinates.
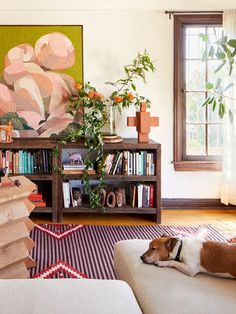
{"type": "Point", "coordinates": [26, 162]}
{"type": "Point", "coordinates": [139, 163]}
{"type": "Point", "coordinates": [138, 194]}
{"type": "Point", "coordinates": [37, 199]}
{"type": "Point", "coordinates": [141, 195]}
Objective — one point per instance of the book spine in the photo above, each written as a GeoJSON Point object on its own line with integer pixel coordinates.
{"type": "Point", "coordinates": [140, 195]}
{"type": "Point", "coordinates": [114, 163]}
{"type": "Point", "coordinates": [151, 196]}
{"type": "Point", "coordinates": [29, 162]}
{"type": "Point", "coordinates": [119, 164]}
{"type": "Point", "coordinates": [152, 165]}
{"type": "Point", "coordinates": [125, 163]}
{"type": "Point", "coordinates": [20, 162]}
{"type": "Point", "coordinates": [66, 196]}
{"type": "Point", "coordinates": [144, 163]}
{"type": "Point", "coordinates": [145, 198]}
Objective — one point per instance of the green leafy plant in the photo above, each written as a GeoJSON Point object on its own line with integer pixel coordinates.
{"type": "Point", "coordinates": [224, 50]}
{"type": "Point", "coordinates": [94, 105]}
{"type": "Point", "coordinates": [125, 93]}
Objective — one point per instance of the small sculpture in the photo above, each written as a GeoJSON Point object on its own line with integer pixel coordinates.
{"type": "Point", "coordinates": [75, 158]}
{"type": "Point", "coordinates": [7, 129]}
{"type": "Point", "coordinates": [143, 122]}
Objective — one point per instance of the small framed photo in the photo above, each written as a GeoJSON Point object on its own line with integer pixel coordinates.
{"type": "Point", "coordinates": [76, 197]}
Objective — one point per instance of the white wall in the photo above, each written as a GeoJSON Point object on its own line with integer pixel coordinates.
{"type": "Point", "coordinates": [111, 39]}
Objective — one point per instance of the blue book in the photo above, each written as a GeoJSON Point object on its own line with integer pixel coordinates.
{"type": "Point", "coordinates": [29, 162]}
{"type": "Point", "coordinates": [20, 162]}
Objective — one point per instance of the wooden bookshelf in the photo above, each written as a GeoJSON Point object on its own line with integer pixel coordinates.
{"type": "Point", "coordinates": [127, 144]}
{"type": "Point", "coordinates": [54, 179]}
{"type": "Point", "coordinates": [31, 144]}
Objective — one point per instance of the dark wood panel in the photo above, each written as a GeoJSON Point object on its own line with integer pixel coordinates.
{"type": "Point", "coordinates": [35, 177]}
{"type": "Point", "coordinates": [113, 177]}
{"type": "Point", "coordinates": [194, 203]}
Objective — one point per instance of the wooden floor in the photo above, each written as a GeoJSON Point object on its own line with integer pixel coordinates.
{"type": "Point", "coordinates": [222, 220]}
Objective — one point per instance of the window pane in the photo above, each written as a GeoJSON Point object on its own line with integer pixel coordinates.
{"type": "Point", "coordinates": [194, 110]}
{"type": "Point", "coordinates": [215, 32]}
{"type": "Point", "coordinates": [194, 30]}
{"type": "Point", "coordinates": [195, 139]}
{"type": "Point", "coordinates": [215, 139]}
{"type": "Point", "coordinates": [194, 47]}
{"type": "Point", "coordinates": [213, 116]}
{"type": "Point", "coordinates": [195, 75]}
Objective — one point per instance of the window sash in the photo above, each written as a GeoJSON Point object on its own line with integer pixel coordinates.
{"type": "Point", "coordinates": [180, 21]}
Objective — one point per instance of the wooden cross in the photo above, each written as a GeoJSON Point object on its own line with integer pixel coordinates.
{"type": "Point", "coordinates": [143, 122]}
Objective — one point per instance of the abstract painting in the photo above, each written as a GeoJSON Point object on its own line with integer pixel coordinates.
{"type": "Point", "coordinates": [39, 66]}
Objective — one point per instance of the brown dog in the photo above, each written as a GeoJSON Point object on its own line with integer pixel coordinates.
{"type": "Point", "coordinates": [192, 255]}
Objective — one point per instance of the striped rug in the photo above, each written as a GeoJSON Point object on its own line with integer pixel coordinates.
{"type": "Point", "coordinates": [77, 251]}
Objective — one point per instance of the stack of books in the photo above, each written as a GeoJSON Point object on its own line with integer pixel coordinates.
{"type": "Point", "coordinates": [139, 163]}
{"type": "Point", "coordinates": [26, 162]}
{"type": "Point", "coordinates": [76, 169]}
{"type": "Point", "coordinates": [37, 199]}
{"type": "Point", "coordinates": [141, 195]}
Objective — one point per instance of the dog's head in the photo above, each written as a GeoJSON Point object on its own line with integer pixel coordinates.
{"type": "Point", "coordinates": [159, 249]}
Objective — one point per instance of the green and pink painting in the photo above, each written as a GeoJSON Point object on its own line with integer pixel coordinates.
{"type": "Point", "coordinates": [39, 66]}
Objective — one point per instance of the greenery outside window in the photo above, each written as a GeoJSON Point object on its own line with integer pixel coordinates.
{"type": "Point", "coordinates": [198, 132]}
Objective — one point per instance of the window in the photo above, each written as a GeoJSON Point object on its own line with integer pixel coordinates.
{"type": "Point", "coordinates": [198, 132]}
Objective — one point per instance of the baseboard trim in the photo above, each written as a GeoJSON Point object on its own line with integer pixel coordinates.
{"type": "Point", "coordinates": [194, 203]}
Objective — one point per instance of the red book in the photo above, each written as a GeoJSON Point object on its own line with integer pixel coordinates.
{"type": "Point", "coordinates": [151, 198]}
{"type": "Point", "coordinates": [39, 204]}
{"type": "Point", "coordinates": [38, 196]}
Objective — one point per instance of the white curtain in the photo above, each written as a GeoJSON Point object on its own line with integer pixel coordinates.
{"type": "Point", "coordinates": [228, 190]}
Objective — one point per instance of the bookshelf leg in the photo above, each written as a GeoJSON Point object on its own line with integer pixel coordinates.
{"type": "Point", "coordinates": [54, 215]}
{"type": "Point", "coordinates": [60, 216]}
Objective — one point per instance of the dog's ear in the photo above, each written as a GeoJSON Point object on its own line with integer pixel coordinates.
{"type": "Point", "coordinates": [170, 243]}
{"type": "Point", "coordinates": [165, 235]}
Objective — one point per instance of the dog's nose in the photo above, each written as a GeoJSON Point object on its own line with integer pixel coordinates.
{"type": "Point", "coordinates": [142, 258]}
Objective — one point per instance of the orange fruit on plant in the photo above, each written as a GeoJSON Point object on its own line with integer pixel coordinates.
{"type": "Point", "coordinates": [130, 96]}
{"type": "Point", "coordinates": [78, 85]}
{"type": "Point", "coordinates": [91, 94]}
{"type": "Point", "coordinates": [118, 99]}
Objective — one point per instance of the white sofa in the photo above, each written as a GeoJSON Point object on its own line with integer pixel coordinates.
{"type": "Point", "coordinates": [66, 296]}
{"type": "Point", "coordinates": [166, 290]}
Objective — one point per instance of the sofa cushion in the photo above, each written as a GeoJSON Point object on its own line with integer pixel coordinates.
{"type": "Point", "coordinates": [62, 296]}
{"type": "Point", "coordinates": [168, 291]}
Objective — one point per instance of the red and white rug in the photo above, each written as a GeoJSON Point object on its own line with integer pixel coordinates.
{"type": "Point", "coordinates": [77, 251]}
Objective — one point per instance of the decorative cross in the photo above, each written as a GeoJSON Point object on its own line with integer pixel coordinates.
{"type": "Point", "coordinates": [143, 122]}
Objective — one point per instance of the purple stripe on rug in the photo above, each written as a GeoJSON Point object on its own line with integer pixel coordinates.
{"type": "Point", "coordinates": [61, 250]}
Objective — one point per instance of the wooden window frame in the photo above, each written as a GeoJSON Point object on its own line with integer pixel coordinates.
{"type": "Point", "coordinates": [201, 163]}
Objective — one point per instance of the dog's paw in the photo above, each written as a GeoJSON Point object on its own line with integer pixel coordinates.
{"type": "Point", "coordinates": [163, 264]}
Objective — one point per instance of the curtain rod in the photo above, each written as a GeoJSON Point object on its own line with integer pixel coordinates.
{"type": "Point", "coordinates": [170, 13]}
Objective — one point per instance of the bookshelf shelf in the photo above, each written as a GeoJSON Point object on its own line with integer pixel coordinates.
{"type": "Point", "coordinates": [46, 209]}
{"type": "Point", "coordinates": [113, 177]}
{"type": "Point", "coordinates": [35, 177]}
{"type": "Point", "coordinates": [116, 210]}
